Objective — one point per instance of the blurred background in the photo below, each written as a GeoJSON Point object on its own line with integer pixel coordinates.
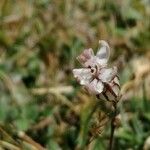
{"type": "Point", "coordinates": [41, 104]}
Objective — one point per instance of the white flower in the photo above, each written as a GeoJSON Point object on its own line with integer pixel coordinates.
{"type": "Point", "coordinates": [95, 76]}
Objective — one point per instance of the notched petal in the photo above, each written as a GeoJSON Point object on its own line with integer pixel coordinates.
{"type": "Point", "coordinates": [106, 75]}
{"type": "Point", "coordinates": [82, 75]}
{"type": "Point", "coordinates": [104, 51]}
{"type": "Point", "coordinates": [86, 55]}
{"type": "Point", "coordinates": [95, 87]}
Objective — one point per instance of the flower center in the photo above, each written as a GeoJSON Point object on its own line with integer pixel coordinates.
{"type": "Point", "coordinates": [94, 71]}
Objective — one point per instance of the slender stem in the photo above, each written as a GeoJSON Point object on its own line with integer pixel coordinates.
{"type": "Point", "coordinates": [112, 128]}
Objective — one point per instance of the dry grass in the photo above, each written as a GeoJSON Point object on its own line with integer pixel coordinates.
{"type": "Point", "coordinates": [39, 41]}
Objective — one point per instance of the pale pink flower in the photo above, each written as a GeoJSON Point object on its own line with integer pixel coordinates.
{"type": "Point", "coordinates": [95, 76]}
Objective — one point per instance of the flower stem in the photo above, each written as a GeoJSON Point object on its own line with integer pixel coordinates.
{"type": "Point", "coordinates": [111, 141]}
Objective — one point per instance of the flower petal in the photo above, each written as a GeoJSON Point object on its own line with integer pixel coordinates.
{"type": "Point", "coordinates": [83, 75]}
{"type": "Point", "coordinates": [91, 62]}
{"type": "Point", "coordinates": [104, 52]}
{"type": "Point", "coordinates": [106, 75]}
{"type": "Point", "coordinates": [86, 55]}
{"type": "Point", "coordinates": [95, 87]}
